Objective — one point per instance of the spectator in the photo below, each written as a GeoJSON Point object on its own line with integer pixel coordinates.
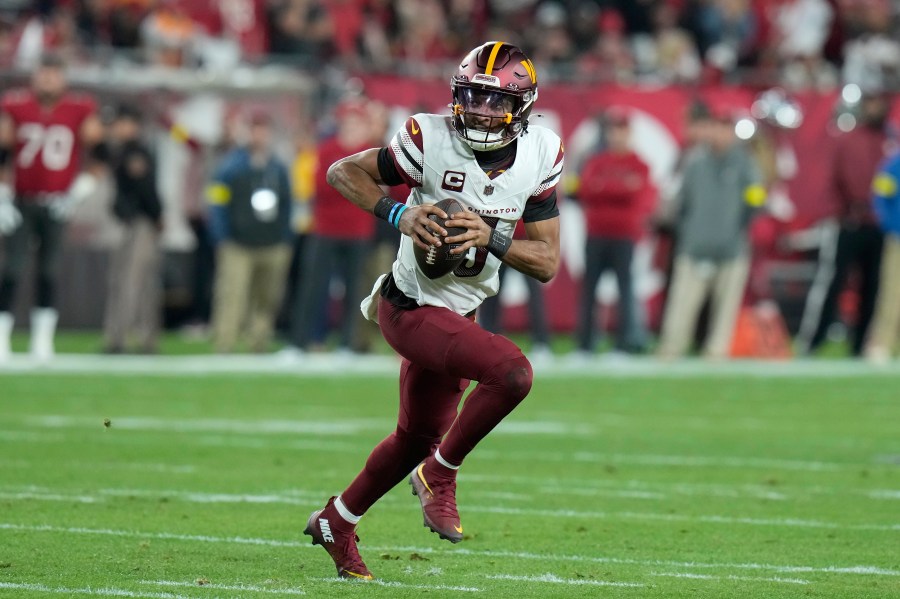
{"type": "Point", "coordinates": [886, 326]}
{"type": "Point", "coordinates": [721, 191]}
{"type": "Point", "coordinates": [133, 300]}
{"type": "Point", "coordinates": [550, 33]}
{"type": "Point", "coordinates": [726, 32]}
{"type": "Point", "coordinates": [617, 197]}
{"type": "Point", "coordinates": [860, 240]}
{"type": "Point", "coordinates": [422, 37]}
{"type": "Point", "coordinates": [340, 240]}
{"type": "Point", "coordinates": [872, 54]}
{"type": "Point", "coordinates": [385, 240]}
{"type": "Point", "coordinates": [676, 55]}
{"type": "Point", "coordinates": [250, 220]}
{"type": "Point", "coordinates": [801, 28]}
{"type": "Point", "coordinates": [300, 29]}
{"type": "Point", "coordinates": [125, 20]}
{"type": "Point", "coordinates": [303, 183]}
{"type": "Point", "coordinates": [169, 34]}
{"type": "Point", "coordinates": [609, 58]}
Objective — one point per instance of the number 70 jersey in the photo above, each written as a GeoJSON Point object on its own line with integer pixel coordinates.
{"type": "Point", "coordinates": [47, 147]}
{"type": "Point", "coordinates": [436, 164]}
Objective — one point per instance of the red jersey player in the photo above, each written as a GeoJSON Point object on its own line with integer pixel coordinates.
{"type": "Point", "coordinates": [43, 131]}
{"type": "Point", "coordinates": [487, 156]}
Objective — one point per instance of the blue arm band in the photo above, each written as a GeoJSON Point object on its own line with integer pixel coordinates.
{"type": "Point", "coordinates": [389, 210]}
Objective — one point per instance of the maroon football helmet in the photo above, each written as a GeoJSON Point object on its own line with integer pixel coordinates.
{"type": "Point", "coordinates": [494, 89]}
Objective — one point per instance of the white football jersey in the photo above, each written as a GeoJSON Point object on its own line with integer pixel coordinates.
{"type": "Point", "coordinates": [437, 164]}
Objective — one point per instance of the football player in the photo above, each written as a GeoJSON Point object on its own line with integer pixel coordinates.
{"type": "Point", "coordinates": [43, 131]}
{"type": "Point", "coordinates": [487, 156]}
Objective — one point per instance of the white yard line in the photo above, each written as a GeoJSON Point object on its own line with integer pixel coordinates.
{"type": "Point", "coordinates": [741, 578]}
{"type": "Point", "coordinates": [552, 578]}
{"type": "Point", "coordinates": [671, 460]}
{"type": "Point", "coordinates": [883, 494]}
{"type": "Point", "coordinates": [42, 496]}
{"type": "Point", "coordinates": [585, 486]}
{"type": "Point", "coordinates": [400, 585]}
{"type": "Point", "coordinates": [351, 427]}
{"type": "Point", "coordinates": [31, 436]}
{"type": "Point", "coordinates": [223, 587]}
{"type": "Point", "coordinates": [101, 591]}
{"type": "Point", "coordinates": [218, 425]}
{"type": "Point", "coordinates": [792, 569]}
{"type": "Point", "coordinates": [708, 519]}
{"type": "Point", "coordinates": [94, 466]}
{"type": "Point", "coordinates": [39, 494]}
{"type": "Point", "coordinates": [734, 493]}
{"type": "Point", "coordinates": [318, 365]}
{"type": "Point", "coordinates": [283, 427]}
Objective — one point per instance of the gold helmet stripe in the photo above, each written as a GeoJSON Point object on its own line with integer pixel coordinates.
{"type": "Point", "coordinates": [530, 68]}
{"type": "Point", "coordinates": [494, 51]}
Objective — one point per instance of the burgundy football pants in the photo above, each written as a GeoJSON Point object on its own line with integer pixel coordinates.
{"type": "Point", "coordinates": [441, 352]}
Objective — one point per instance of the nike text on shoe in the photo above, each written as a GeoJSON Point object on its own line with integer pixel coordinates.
{"type": "Point", "coordinates": [438, 499]}
{"type": "Point", "coordinates": [339, 539]}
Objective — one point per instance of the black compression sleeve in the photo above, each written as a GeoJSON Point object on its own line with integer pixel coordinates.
{"type": "Point", "coordinates": [543, 210]}
{"type": "Point", "coordinates": [499, 243]}
{"type": "Point", "coordinates": [387, 169]}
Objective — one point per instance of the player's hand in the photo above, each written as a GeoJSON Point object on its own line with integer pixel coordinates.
{"type": "Point", "coordinates": [10, 217]}
{"type": "Point", "coordinates": [62, 206]}
{"type": "Point", "coordinates": [424, 232]}
{"type": "Point", "coordinates": [477, 235]}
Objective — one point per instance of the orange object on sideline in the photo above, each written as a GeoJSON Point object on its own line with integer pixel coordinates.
{"type": "Point", "coordinates": [760, 332]}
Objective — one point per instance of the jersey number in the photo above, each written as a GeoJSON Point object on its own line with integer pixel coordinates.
{"type": "Point", "coordinates": [54, 143]}
{"type": "Point", "coordinates": [473, 267]}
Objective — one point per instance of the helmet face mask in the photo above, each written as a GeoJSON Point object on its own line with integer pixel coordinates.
{"type": "Point", "coordinates": [494, 90]}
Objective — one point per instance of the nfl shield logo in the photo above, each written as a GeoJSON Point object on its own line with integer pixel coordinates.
{"type": "Point", "coordinates": [488, 190]}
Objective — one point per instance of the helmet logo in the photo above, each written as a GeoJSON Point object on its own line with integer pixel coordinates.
{"type": "Point", "coordinates": [486, 79]}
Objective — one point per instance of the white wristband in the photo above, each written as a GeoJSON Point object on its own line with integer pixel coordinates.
{"type": "Point", "coordinates": [83, 187]}
{"type": "Point", "coordinates": [6, 193]}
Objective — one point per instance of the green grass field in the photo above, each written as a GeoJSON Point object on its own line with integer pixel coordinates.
{"type": "Point", "coordinates": [701, 485]}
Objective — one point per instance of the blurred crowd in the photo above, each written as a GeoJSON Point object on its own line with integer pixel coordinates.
{"type": "Point", "coordinates": [795, 43]}
{"type": "Point", "coordinates": [275, 251]}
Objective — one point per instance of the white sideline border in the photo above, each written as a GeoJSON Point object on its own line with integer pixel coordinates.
{"type": "Point", "coordinates": [384, 365]}
{"type": "Point", "coordinates": [863, 570]}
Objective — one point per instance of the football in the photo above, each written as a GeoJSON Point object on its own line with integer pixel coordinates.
{"type": "Point", "coordinates": [435, 262]}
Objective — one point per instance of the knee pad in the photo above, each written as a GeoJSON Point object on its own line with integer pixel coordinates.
{"type": "Point", "coordinates": [517, 376]}
{"type": "Point", "coordinates": [511, 377]}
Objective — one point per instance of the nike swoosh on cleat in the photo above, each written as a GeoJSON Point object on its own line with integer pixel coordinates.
{"type": "Point", "coordinates": [458, 529]}
{"type": "Point", "coordinates": [422, 478]}
{"type": "Point", "coordinates": [360, 576]}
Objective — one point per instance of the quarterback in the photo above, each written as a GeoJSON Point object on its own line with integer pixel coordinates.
{"type": "Point", "coordinates": [487, 156]}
